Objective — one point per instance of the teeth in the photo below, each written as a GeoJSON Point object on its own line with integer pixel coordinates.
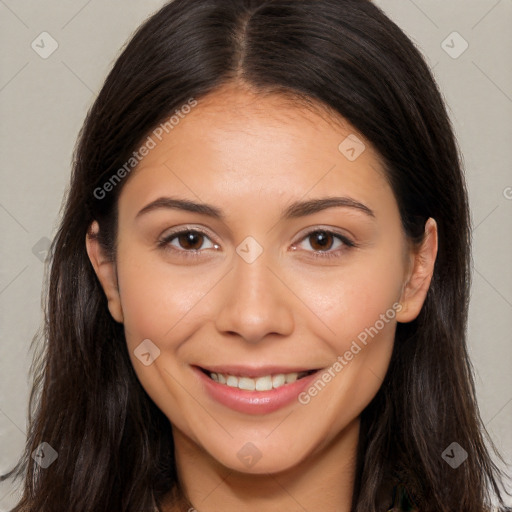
{"type": "Point", "coordinates": [291, 377]}
{"type": "Point", "coordinates": [247, 383]}
{"type": "Point", "coordinates": [265, 383]}
{"type": "Point", "coordinates": [278, 380]}
{"type": "Point", "coordinates": [232, 381]}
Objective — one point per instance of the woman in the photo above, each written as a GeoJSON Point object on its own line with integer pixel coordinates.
{"type": "Point", "coordinates": [258, 291]}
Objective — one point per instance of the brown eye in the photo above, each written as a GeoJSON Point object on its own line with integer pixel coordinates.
{"type": "Point", "coordinates": [326, 244]}
{"type": "Point", "coordinates": [187, 242]}
{"type": "Point", "coordinates": [321, 240]}
{"type": "Point", "coordinates": [190, 240]}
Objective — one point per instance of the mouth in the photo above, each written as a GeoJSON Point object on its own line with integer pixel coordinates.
{"type": "Point", "coordinates": [255, 391]}
{"type": "Point", "coordinates": [263, 382]}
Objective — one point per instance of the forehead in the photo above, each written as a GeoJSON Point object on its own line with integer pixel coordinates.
{"type": "Point", "coordinates": [235, 142]}
{"type": "Point", "coordinates": [235, 115]}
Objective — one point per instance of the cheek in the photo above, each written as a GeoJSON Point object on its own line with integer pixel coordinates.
{"type": "Point", "coordinates": [159, 304]}
{"type": "Point", "coordinates": [158, 299]}
{"type": "Point", "coordinates": [360, 309]}
{"type": "Point", "coordinates": [352, 299]}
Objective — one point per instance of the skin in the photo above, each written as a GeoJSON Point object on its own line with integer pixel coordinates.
{"type": "Point", "coordinates": [251, 156]}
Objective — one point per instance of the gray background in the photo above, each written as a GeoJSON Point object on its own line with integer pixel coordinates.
{"type": "Point", "coordinates": [43, 103]}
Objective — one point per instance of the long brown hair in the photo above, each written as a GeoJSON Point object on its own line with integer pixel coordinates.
{"type": "Point", "coordinates": [115, 447]}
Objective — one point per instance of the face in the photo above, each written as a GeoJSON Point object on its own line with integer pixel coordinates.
{"type": "Point", "coordinates": [264, 325]}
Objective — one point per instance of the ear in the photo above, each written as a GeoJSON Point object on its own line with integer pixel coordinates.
{"type": "Point", "coordinates": [421, 269]}
{"type": "Point", "coordinates": [105, 270]}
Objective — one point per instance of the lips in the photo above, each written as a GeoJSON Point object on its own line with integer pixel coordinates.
{"type": "Point", "coordinates": [254, 390]}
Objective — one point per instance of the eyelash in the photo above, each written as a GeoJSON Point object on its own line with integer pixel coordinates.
{"type": "Point", "coordinates": [163, 243]}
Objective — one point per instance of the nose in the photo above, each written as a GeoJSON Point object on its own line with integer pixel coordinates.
{"type": "Point", "coordinates": [255, 302]}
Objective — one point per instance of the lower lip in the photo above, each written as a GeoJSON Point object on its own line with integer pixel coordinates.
{"type": "Point", "coordinates": [254, 402]}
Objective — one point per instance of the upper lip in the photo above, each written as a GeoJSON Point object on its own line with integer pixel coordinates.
{"type": "Point", "coordinates": [255, 371]}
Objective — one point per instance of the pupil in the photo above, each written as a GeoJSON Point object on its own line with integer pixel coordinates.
{"type": "Point", "coordinates": [322, 239]}
{"type": "Point", "coordinates": [187, 240]}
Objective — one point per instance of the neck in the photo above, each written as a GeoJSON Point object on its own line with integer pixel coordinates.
{"type": "Point", "coordinates": [323, 480]}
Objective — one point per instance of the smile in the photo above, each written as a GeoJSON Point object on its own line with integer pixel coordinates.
{"type": "Point", "coordinates": [265, 383]}
{"type": "Point", "coordinates": [254, 391]}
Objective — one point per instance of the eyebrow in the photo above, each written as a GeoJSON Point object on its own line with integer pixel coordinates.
{"type": "Point", "coordinates": [295, 210]}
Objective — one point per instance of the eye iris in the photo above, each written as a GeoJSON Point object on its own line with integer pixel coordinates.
{"type": "Point", "coordinates": [187, 240]}
{"type": "Point", "coordinates": [322, 239]}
